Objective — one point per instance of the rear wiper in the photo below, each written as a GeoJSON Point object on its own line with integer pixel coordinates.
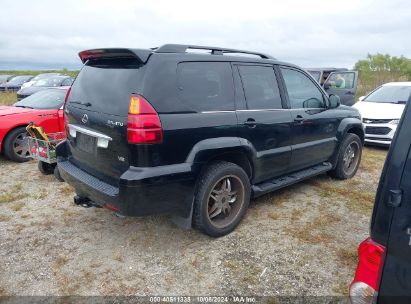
{"type": "Point", "coordinates": [86, 104]}
{"type": "Point", "coordinates": [401, 102]}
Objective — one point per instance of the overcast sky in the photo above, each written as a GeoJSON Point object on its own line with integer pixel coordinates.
{"type": "Point", "coordinates": [49, 34]}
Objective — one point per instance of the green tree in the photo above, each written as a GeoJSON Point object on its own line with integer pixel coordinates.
{"type": "Point", "coordinates": [381, 68]}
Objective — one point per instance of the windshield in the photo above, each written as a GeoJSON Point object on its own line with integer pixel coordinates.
{"type": "Point", "coordinates": [316, 75]}
{"type": "Point", "coordinates": [47, 99]}
{"type": "Point", "coordinates": [48, 82]}
{"type": "Point", "coordinates": [390, 94]}
{"type": "Point", "coordinates": [18, 79]}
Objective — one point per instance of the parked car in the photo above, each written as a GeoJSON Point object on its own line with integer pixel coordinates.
{"type": "Point", "coordinates": [338, 81]}
{"type": "Point", "coordinates": [15, 83]}
{"type": "Point", "coordinates": [38, 77]}
{"type": "Point", "coordinates": [384, 259]}
{"type": "Point", "coordinates": [381, 111]}
{"type": "Point", "coordinates": [44, 109]}
{"type": "Point", "coordinates": [45, 83]}
{"type": "Point", "coordinates": [5, 78]}
{"type": "Point", "coordinates": [197, 135]}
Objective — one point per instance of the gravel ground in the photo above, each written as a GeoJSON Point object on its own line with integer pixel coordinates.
{"type": "Point", "coordinates": [298, 241]}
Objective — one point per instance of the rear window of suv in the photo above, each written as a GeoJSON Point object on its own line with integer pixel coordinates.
{"type": "Point", "coordinates": [107, 85]}
{"type": "Point", "coordinates": [205, 86]}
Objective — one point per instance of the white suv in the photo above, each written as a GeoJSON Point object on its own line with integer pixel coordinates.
{"type": "Point", "coordinates": [381, 111]}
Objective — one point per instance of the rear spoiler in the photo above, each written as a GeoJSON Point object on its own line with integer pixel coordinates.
{"type": "Point", "coordinates": [141, 54]}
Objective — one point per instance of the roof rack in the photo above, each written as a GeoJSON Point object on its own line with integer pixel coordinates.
{"type": "Point", "coordinates": [182, 48]}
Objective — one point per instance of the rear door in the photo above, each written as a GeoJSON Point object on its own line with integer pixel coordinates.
{"type": "Point", "coordinates": [344, 85]}
{"type": "Point", "coordinates": [97, 111]}
{"type": "Point", "coordinates": [263, 118]}
{"type": "Point", "coordinates": [395, 197]}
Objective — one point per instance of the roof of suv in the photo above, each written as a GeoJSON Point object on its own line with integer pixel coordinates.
{"type": "Point", "coordinates": [218, 53]}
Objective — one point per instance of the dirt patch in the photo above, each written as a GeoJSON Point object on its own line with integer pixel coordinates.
{"type": "Point", "coordinates": [298, 241]}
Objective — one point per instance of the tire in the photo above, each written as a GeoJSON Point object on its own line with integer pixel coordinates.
{"type": "Point", "coordinates": [348, 162]}
{"type": "Point", "coordinates": [15, 146]}
{"type": "Point", "coordinates": [57, 174]}
{"type": "Point", "coordinates": [221, 199]}
{"type": "Point", "coordinates": [45, 168]}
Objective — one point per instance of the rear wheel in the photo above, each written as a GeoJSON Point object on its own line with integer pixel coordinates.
{"type": "Point", "coordinates": [223, 195]}
{"type": "Point", "coordinates": [349, 157]}
{"type": "Point", "coordinates": [16, 145]}
{"type": "Point", "coordinates": [45, 168]}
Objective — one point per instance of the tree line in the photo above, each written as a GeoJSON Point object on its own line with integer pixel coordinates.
{"type": "Point", "coordinates": [381, 68]}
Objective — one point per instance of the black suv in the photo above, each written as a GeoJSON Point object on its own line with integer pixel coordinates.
{"type": "Point", "coordinates": [384, 266]}
{"type": "Point", "coordinates": [196, 131]}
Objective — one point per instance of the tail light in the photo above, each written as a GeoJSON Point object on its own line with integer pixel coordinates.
{"type": "Point", "coordinates": [65, 118]}
{"type": "Point", "coordinates": [144, 125]}
{"type": "Point", "coordinates": [365, 286]}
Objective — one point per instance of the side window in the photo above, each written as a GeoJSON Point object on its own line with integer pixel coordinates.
{"type": "Point", "coordinates": [302, 92]}
{"type": "Point", "coordinates": [341, 80]}
{"type": "Point", "coordinates": [260, 87]}
{"type": "Point", "coordinates": [206, 86]}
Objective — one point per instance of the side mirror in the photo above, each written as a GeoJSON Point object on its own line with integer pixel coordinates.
{"type": "Point", "coordinates": [334, 101]}
{"type": "Point", "coordinates": [327, 85]}
{"type": "Point", "coordinates": [361, 98]}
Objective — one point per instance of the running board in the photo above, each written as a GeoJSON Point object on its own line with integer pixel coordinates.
{"type": "Point", "coordinates": [290, 179]}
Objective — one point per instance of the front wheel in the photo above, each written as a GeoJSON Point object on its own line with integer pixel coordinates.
{"type": "Point", "coordinates": [349, 157]}
{"type": "Point", "coordinates": [222, 198]}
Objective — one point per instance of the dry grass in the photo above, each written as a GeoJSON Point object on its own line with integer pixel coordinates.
{"type": "Point", "coordinates": [8, 98]}
{"type": "Point", "coordinates": [59, 262]}
{"type": "Point", "coordinates": [348, 256]}
{"type": "Point", "coordinates": [17, 206]}
{"type": "Point", "coordinates": [66, 190]}
{"type": "Point", "coordinates": [13, 194]}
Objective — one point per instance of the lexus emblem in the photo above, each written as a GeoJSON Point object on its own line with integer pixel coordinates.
{"type": "Point", "coordinates": [84, 119]}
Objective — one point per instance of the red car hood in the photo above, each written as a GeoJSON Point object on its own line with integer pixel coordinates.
{"type": "Point", "coordinates": [4, 110]}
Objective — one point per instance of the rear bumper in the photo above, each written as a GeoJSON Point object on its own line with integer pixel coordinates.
{"type": "Point", "coordinates": [139, 192]}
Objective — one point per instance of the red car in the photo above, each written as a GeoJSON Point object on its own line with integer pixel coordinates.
{"type": "Point", "coordinates": [43, 108]}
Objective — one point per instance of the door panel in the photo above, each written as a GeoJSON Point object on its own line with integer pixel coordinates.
{"type": "Point", "coordinates": [263, 120]}
{"type": "Point", "coordinates": [396, 278]}
{"type": "Point", "coordinates": [344, 85]}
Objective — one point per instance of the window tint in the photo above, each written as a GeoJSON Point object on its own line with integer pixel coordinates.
{"type": "Point", "coordinates": [260, 87]}
{"type": "Point", "coordinates": [302, 92]}
{"type": "Point", "coordinates": [341, 80]}
{"type": "Point", "coordinates": [206, 86]}
{"type": "Point", "coordinates": [107, 84]}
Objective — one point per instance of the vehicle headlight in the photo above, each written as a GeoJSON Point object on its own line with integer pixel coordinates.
{"type": "Point", "coordinates": [395, 121]}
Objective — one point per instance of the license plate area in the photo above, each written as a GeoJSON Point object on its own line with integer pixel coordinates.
{"type": "Point", "coordinates": [86, 143]}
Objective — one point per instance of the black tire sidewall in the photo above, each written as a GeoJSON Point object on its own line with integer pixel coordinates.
{"type": "Point", "coordinates": [339, 170]}
{"type": "Point", "coordinates": [45, 168]}
{"type": "Point", "coordinates": [209, 177]}
{"type": "Point", "coordinates": [9, 142]}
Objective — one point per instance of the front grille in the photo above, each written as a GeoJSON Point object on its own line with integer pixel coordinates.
{"type": "Point", "coordinates": [377, 130]}
{"type": "Point", "coordinates": [375, 121]}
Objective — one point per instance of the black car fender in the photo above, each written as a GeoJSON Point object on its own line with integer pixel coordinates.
{"type": "Point", "coordinates": [347, 125]}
